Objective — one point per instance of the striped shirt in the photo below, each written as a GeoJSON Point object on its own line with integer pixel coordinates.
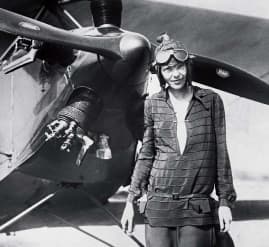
{"type": "Point", "coordinates": [179, 184]}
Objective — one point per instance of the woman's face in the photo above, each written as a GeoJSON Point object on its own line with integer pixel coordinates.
{"type": "Point", "coordinates": [175, 74]}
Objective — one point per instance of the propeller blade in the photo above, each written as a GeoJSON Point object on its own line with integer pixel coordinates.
{"type": "Point", "coordinates": [230, 79]}
{"type": "Point", "coordinates": [24, 26]}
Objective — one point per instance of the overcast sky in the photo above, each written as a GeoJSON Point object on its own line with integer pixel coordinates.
{"type": "Point", "coordinates": [259, 8]}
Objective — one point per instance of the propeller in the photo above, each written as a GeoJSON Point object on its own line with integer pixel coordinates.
{"type": "Point", "coordinates": [228, 78]}
{"type": "Point", "coordinates": [24, 26]}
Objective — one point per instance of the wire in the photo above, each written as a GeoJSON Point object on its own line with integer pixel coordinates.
{"type": "Point", "coordinates": [77, 228]}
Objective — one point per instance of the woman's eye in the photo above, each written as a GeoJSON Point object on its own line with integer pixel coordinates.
{"type": "Point", "coordinates": [180, 67]}
{"type": "Point", "coordinates": [169, 69]}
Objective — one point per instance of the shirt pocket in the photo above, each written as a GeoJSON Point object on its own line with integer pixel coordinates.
{"type": "Point", "coordinates": [142, 205]}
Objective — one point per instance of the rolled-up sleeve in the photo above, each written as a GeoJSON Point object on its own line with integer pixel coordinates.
{"type": "Point", "coordinates": [224, 183]}
{"type": "Point", "coordinates": [145, 157]}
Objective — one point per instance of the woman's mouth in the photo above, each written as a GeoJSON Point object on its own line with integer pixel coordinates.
{"type": "Point", "coordinates": [176, 82]}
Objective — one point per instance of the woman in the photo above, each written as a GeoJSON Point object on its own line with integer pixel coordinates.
{"type": "Point", "coordinates": [183, 157]}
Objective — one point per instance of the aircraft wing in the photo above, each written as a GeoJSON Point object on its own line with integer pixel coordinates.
{"type": "Point", "coordinates": [235, 39]}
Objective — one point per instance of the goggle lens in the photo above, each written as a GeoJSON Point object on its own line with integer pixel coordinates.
{"type": "Point", "coordinates": [180, 55]}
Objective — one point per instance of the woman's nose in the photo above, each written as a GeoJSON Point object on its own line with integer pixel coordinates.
{"type": "Point", "coordinates": [178, 75]}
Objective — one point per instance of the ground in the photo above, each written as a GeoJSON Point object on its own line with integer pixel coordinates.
{"type": "Point", "coordinates": [71, 219]}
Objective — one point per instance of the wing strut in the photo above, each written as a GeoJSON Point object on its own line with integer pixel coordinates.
{"type": "Point", "coordinates": [111, 215]}
{"type": "Point", "coordinates": [78, 228]}
{"type": "Point", "coordinates": [51, 195]}
{"type": "Point", "coordinates": [68, 21]}
{"type": "Point", "coordinates": [27, 211]}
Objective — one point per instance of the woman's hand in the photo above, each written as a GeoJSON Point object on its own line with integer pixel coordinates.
{"type": "Point", "coordinates": [127, 219]}
{"type": "Point", "coordinates": [225, 218]}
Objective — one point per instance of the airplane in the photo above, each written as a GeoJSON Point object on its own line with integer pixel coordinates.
{"type": "Point", "coordinates": [36, 86]}
{"type": "Point", "coordinates": [111, 85]}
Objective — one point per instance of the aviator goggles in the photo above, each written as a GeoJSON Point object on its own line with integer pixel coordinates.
{"type": "Point", "coordinates": [163, 56]}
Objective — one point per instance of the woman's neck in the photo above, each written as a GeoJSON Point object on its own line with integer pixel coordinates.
{"type": "Point", "coordinates": [182, 94]}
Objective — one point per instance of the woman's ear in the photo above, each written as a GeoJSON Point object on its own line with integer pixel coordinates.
{"type": "Point", "coordinates": [153, 68]}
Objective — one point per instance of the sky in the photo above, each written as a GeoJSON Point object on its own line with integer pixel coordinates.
{"type": "Point", "coordinates": [259, 8]}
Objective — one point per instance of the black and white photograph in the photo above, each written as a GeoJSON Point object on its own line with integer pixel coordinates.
{"type": "Point", "coordinates": [134, 123]}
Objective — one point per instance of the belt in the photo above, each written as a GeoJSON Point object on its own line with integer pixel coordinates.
{"type": "Point", "coordinates": [186, 199]}
{"type": "Point", "coordinates": [177, 196]}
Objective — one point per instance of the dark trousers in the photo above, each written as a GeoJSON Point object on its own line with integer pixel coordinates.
{"type": "Point", "coordinates": [183, 236]}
